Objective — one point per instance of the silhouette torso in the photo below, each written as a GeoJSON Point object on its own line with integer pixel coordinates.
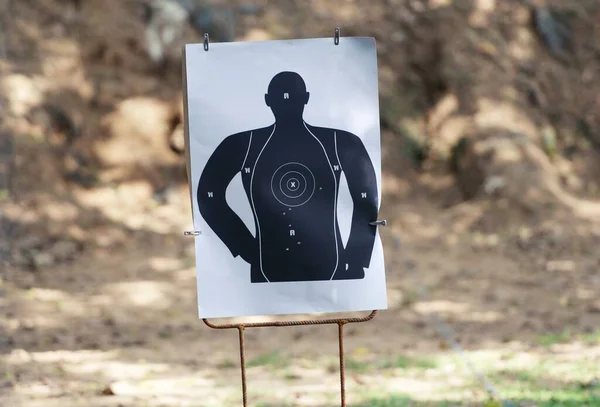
{"type": "Point", "coordinates": [291, 173]}
{"type": "Point", "coordinates": [292, 184]}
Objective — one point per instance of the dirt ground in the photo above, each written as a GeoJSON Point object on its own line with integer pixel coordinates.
{"type": "Point", "coordinates": [490, 187]}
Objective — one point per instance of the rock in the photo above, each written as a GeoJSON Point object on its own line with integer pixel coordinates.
{"type": "Point", "coordinates": [77, 169]}
{"type": "Point", "coordinates": [7, 228]}
{"type": "Point", "coordinates": [139, 129]}
{"type": "Point", "coordinates": [165, 195]}
{"type": "Point", "coordinates": [507, 165]}
{"type": "Point", "coordinates": [563, 266]}
{"type": "Point", "coordinates": [108, 391]}
{"type": "Point", "coordinates": [7, 154]}
{"type": "Point", "coordinates": [18, 259]}
{"type": "Point", "coordinates": [514, 169]}
{"type": "Point", "coordinates": [463, 160]}
{"type": "Point", "coordinates": [219, 22]}
{"type": "Point", "coordinates": [493, 184]}
{"type": "Point", "coordinates": [549, 141]}
{"type": "Point", "coordinates": [43, 259]}
{"type": "Point", "coordinates": [57, 123]}
{"type": "Point", "coordinates": [177, 140]}
{"type": "Point", "coordinates": [165, 20]}
{"type": "Point", "coordinates": [23, 93]}
{"type": "Point", "coordinates": [64, 250]}
{"type": "Point", "coordinates": [594, 307]}
{"type": "Point", "coordinates": [256, 34]}
{"type": "Point", "coordinates": [446, 124]}
{"type": "Point", "coordinates": [250, 9]}
{"type": "Point", "coordinates": [553, 33]}
{"type": "Point", "coordinates": [30, 242]}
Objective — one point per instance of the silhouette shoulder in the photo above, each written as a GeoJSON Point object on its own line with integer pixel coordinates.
{"type": "Point", "coordinates": [244, 136]}
{"type": "Point", "coordinates": [345, 139]}
{"type": "Point", "coordinates": [240, 141]}
{"type": "Point", "coordinates": [342, 136]}
{"type": "Point", "coordinates": [237, 138]}
{"type": "Point", "coordinates": [321, 132]}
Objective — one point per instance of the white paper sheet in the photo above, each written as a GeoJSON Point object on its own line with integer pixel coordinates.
{"type": "Point", "coordinates": [285, 176]}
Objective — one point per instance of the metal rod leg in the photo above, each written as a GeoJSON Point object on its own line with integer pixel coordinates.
{"type": "Point", "coordinates": [340, 323]}
{"type": "Point", "coordinates": [243, 365]}
{"type": "Point", "coordinates": [342, 363]}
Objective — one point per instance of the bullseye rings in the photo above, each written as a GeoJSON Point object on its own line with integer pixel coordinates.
{"type": "Point", "coordinates": [293, 184]}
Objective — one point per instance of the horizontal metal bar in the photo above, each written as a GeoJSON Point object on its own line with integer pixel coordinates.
{"type": "Point", "coordinates": [291, 323]}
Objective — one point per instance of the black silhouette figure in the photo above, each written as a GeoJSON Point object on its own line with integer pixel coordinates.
{"type": "Point", "coordinates": [291, 173]}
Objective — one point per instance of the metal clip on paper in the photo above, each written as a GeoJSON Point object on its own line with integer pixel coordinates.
{"type": "Point", "coordinates": [336, 36]}
{"type": "Point", "coordinates": [192, 233]}
{"type": "Point", "coordinates": [205, 41]}
{"type": "Point", "coordinates": [378, 223]}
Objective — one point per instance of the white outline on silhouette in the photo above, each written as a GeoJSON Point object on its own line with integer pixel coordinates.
{"type": "Point", "coordinates": [247, 151]}
{"type": "Point", "coordinates": [254, 208]}
{"type": "Point", "coordinates": [337, 250]}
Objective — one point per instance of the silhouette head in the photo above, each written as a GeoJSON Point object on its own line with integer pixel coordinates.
{"type": "Point", "coordinates": [287, 96]}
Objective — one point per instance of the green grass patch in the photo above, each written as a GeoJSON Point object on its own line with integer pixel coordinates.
{"type": "Point", "coordinates": [591, 338]}
{"type": "Point", "coordinates": [226, 364]}
{"type": "Point", "coordinates": [591, 401]}
{"type": "Point", "coordinates": [540, 379]}
{"type": "Point", "coordinates": [401, 401]}
{"type": "Point", "coordinates": [549, 384]}
{"type": "Point", "coordinates": [409, 362]}
{"type": "Point", "coordinates": [404, 401]}
{"type": "Point", "coordinates": [358, 366]}
{"type": "Point", "coordinates": [400, 362]}
{"type": "Point", "coordinates": [555, 338]}
{"type": "Point", "coordinates": [272, 359]}
{"type": "Point", "coordinates": [391, 401]}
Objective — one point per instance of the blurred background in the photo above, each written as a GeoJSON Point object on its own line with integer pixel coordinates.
{"type": "Point", "coordinates": [490, 117]}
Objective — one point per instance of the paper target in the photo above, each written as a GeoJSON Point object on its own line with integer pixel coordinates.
{"type": "Point", "coordinates": [284, 167]}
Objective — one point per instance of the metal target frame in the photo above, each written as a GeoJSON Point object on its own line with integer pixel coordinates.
{"type": "Point", "coordinates": [340, 322]}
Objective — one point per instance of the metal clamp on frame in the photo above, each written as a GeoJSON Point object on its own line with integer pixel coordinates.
{"type": "Point", "coordinates": [336, 36]}
{"type": "Point", "coordinates": [206, 40]}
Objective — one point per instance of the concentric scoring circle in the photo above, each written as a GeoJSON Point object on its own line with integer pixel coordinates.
{"type": "Point", "coordinates": [293, 184]}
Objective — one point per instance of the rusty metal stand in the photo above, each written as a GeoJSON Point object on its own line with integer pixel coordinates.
{"type": "Point", "coordinates": [339, 321]}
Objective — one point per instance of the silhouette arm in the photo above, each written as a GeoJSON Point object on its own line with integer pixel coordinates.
{"type": "Point", "coordinates": [362, 183]}
{"type": "Point", "coordinates": [221, 168]}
